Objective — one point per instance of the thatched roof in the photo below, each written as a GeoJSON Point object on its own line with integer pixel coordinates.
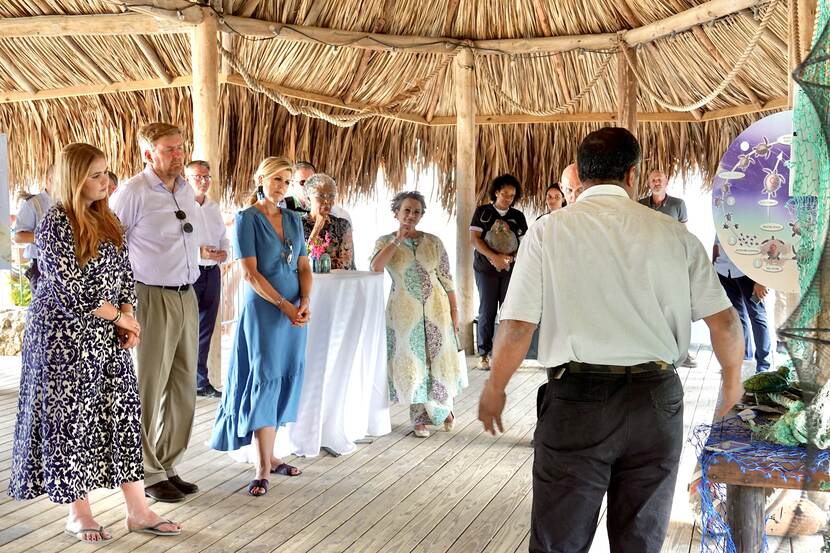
{"type": "Point", "coordinates": [66, 67]}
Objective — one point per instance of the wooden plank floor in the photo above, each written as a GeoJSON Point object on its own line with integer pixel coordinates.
{"type": "Point", "coordinates": [459, 492]}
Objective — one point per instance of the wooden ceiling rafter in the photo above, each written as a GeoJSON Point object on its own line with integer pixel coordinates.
{"type": "Point", "coordinates": [151, 55]}
{"type": "Point", "coordinates": [440, 121]}
{"type": "Point", "coordinates": [97, 71]}
{"type": "Point", "coordinates": [710, 47]}
{"type": "Point", "coordinates": [366, 55]}
{"type": "Point", "coordinates": [167, 19]}
{"type": "Point", "coordinates": [634, 22]}
{"type": "Point", "coordinates": [558, 63]}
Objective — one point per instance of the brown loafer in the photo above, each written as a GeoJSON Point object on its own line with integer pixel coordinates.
{"type": "Point", "coordinates": [186, 488]}
{"type": "Point", "coordinates": [165, 492]}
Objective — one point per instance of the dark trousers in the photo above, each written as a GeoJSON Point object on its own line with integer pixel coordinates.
{"type": "Point", "coordinates": [33, 274]}
{"type": "Point", "coordinates": [207, 289]}
{"type": "Point", "coordinates": [601, 433]}
{"type": "Point", "coordinates": [492, 287]}
{"type": "Point", "coordinates": [753, 318]}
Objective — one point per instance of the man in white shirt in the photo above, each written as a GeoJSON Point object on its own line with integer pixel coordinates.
{"type": "Point", "coordinates": [297, 198]}
{"type": "Point", "coordinates": [614, 307]}
{"type": "Point", "coordinates": [214, 250]}
{"type": "Point", "coordinates": [29, 215]}
{"type": "Point", "coordinates": [158, 211]}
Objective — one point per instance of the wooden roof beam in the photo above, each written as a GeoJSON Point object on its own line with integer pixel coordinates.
{"type": "Point", "coordinates": [707, 43]}
{"type": "Point", "coordinates": [115, 24]}
{"type": "Point", "coordinates": [152, 57]}
{"type": "Point", "coordinates": [683, 21]}
{"type": "Point", "coordinates": [161, 20]}
{"type": "Point", "coordinates": [7, 97]}
{"type": "Point", "coordinates": [186, 80]}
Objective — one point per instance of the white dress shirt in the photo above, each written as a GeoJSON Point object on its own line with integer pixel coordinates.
{"type": "Point", "coordinates": [161, 252]}
{"type": "Point", "coordinates": [214, 233]}
{"type": "Point", "coordinates": [612, 282]}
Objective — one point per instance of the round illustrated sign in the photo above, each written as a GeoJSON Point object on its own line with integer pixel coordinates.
{"type": "Point", "coordinates": [755, 217]}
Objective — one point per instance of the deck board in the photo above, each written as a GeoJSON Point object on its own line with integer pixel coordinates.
{"type": "Point", "coordinates": [458, 492]}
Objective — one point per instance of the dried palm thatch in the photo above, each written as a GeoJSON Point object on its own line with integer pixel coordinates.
{"type": "Point", "coordinates": [681, 67]}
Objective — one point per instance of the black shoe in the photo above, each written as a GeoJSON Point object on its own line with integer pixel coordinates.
{"type": "Point", "coordinates": [208, 391]}
{"type": "Point", "coordinates": [182, 486]}
{"type": "Point", "coordinates": [165, 492]}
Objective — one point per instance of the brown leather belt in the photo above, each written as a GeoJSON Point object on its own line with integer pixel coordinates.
{"type": "Point", "coordinates": [555, 373]}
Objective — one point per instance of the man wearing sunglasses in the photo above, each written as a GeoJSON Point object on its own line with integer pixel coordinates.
{"type": "Point", "coordinates": [159, 212]}
{"type": "Point", "coordinates": [297, 197]}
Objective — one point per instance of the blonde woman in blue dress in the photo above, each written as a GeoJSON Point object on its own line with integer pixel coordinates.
{"type": "Point", "coordinates": [421, 319]}
{"type": "Point", "coordinates": [265, 377]}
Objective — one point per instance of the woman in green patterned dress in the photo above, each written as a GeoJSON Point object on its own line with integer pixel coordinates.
{"type": "Point", "coordinates": [421, 319]}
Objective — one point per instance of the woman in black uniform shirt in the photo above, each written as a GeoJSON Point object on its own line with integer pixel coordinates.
{"type": "Point", "coordinates": [495, 232]}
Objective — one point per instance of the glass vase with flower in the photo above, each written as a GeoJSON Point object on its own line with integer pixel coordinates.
{"type": "Point", "coordinates": [318, 251]}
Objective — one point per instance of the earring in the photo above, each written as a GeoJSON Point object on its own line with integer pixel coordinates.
{"type": "Point", "coordinates": [259, 193]}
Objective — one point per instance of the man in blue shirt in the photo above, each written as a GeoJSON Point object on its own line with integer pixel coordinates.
{"type": "Point", "coordinates": [31, 213]}
{"type": "Point", "coordinates": [747, 297]}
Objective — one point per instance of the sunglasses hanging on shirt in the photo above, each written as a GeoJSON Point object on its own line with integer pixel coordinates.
{"type": "Point", "coordinates": [182, 216]}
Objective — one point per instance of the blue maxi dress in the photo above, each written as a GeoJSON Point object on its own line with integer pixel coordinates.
{"type": "Point", "coordinates": [265, 376]}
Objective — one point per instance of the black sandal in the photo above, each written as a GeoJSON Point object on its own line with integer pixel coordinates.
{"type": "Point", "coordinates": [286, 470]}
{"type": "Point", "coordinates": [258, 484]}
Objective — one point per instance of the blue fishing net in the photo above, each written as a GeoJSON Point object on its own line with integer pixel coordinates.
{"type": "Point", "coordinates": [787, 462]}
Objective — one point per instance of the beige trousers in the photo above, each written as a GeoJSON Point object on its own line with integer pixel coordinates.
{"type": "Point", "coordinates": [166, 366]}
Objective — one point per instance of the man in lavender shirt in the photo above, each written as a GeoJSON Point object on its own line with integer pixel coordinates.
{"type": "Point", "coordinates": [158, 210]}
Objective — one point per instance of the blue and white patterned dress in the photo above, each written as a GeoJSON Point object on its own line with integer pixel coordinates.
{"type": "Point", "coordinates": [79, 416]}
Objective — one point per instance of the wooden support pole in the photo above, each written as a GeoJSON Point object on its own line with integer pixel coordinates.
{"type": "Point", "coordinates": [626, 93]}
{"type": "Point", "coordinates": [150, 54]}
{"type": "Point", "coordinates": [465, 190]}
{"type": "Point", "coordinates": [205, 95]}
{"type": "Point", "coordinates": [745, 515]}
{"type": "Point", "coordinates": [806, 24]}
{"type": "Point", "coordinates": [16, 74]}
{"type": "Point", "coordinates": [793, 53]}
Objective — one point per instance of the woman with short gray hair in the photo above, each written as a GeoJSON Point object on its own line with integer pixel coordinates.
{"type": "Point", "coordinates": [421, 319]}
{"type": "Point", "coordinates": [320, 225]}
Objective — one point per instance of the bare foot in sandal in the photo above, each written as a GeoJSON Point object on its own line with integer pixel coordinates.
{"type": "Point", "coordinates": [147, 519]}
{"type": "Point", "coordinates": [278, 467]}
{"type": "Point", "coordinates": [86, 529]}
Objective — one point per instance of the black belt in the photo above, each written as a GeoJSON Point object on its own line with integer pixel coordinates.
{"type": "Point", "coordinates": [555, 373]}
{"type": "Point", "coordinates": [181, 288]}
{"type": "Point", "coordinates": [207, 267]}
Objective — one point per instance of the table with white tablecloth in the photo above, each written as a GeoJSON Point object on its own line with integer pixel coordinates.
{"type": "Point", "coordinates": [345, 392]}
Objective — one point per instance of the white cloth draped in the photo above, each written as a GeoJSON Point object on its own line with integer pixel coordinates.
{"type": "Point", "coordinates": [345, 392]}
